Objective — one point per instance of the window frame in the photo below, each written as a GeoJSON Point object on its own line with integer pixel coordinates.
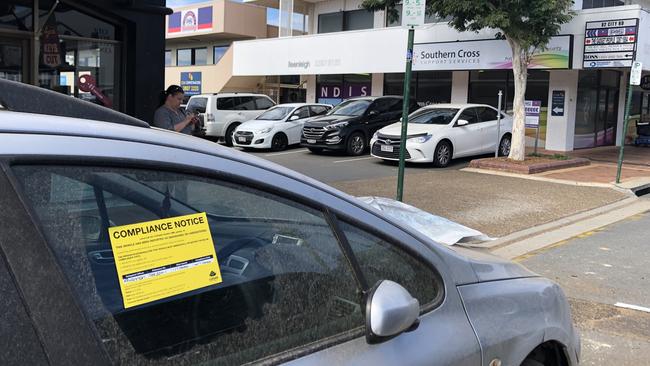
{"type": "Point", "coordinates": [331, 215]}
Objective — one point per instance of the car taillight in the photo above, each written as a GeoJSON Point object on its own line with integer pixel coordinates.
{"type": "Point", "coordinates": [209, 117]}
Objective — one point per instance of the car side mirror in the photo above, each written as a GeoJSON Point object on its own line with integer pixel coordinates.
{"type": "Point", "coordinates": [390, 311]}
{"type": "Point", "coordinates": [462, 122]}
{"type": "Point", "coordinates": [294, 117]}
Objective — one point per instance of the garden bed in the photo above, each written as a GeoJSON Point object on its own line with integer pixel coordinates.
{"type": "Point", "coordinates": [531, 165]}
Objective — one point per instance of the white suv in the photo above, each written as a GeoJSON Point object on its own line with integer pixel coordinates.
{"type": "Point", "coordinates": [223, 112]}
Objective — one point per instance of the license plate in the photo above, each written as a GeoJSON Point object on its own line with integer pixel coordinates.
{"type": "Point", "coordinates": [241, 139]}
{"type": "Point", "coordinates": [386, 148]}
{"type": "Point", "coordinates": [310, 141]}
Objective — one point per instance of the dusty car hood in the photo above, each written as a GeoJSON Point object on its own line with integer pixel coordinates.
{"type": "Point", "coordinates": [328, 120]}
{"type": "Point", "coordinates": [413, 129]}
{"type": "Point", "coordinates": [489, 267]}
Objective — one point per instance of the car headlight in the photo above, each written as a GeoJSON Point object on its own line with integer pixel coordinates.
{"type": "Point", "coordinates": [266, 130]}
{"type": "Point", "coordinates": [420, 139]}
{"type": "Point", "coordinates": [336, 126]}
{"type": "Point", "coordinates": [375, 135]}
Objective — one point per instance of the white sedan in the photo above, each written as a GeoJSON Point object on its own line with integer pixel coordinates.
{"type": "Point", "coordinates": [278, 127]}
{"type": "Point", "coordinates": [442, 132]}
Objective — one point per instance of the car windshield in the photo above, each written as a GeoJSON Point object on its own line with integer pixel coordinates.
{"type": "Point", "coordinates": [436, 116]}
{"type": "Point", "coordinates": [275, 113]}
{"type": "Point", "coordinates": [351, 108]}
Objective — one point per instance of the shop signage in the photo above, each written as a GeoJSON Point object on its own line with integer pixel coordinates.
{"type": "Point", "coordinates": [557, 103]}
{"type": "Point", "coordinates": [343, 91]}
{"type": "Point", "coordinates": [50, 49]}
{"type": "Point", "coordinates": [413, 13]}
{"type": "Point", "coordinates": [533, 109]}
{"type": "Point", "coordinates": [190, 20]}
{"type": "Point", "coordinates": [191, 82]}
{"type": "Point", "coordinates": [487, 55]}
{"type": "Point", "coordinates": [645, 82]}
{"type": "Point", "coordinates": [610, 43]}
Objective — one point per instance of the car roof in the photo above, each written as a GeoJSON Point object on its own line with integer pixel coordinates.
{"type": "Point", "coordinates": [375, 97]}
{"type": "Point", "coordinates": [296, 105]}
{"type": "Point", "coordinates": [227, 95]}
{"type": "Point", "coordinates": [455, 105]}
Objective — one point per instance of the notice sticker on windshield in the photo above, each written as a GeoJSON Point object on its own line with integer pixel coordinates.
{"type": "Point", "coordinates": [163, 258]}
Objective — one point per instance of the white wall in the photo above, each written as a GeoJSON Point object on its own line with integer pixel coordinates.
{"type": "Point", "coordinates": [560, 130]}
{"type": "Point", "coordinates": [377, 86]}
{"type": "Point", "coordinates": [310, 88]}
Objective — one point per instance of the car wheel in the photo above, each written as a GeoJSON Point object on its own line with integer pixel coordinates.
{"type": "Point", "coordinates": [356, 144]}
{"type": "Point", "coordinates": [442, 154]}
{"type": "Point", "coordinates": [504, 145]}
{"type": "Point", "coordinates": [279, 142]}
{"type": "Point", "coordinates": [230, 133]}
{"type": "Point", "coordinates": [315, 150]}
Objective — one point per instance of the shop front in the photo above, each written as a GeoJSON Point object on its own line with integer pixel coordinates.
{"type": "Point", "coordinates": [88, 50]}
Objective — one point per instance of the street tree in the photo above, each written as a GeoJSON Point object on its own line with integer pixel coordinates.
{"type": "Point", "coordinates": [527, 26]}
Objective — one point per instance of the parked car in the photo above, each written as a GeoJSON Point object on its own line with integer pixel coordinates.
{"type": "Point", "coordinates": [278, 127]}
{"type": "Point", "coordinates": [349, 126]}
{"type": "Point", "coordinates": [221, 113]}
{"type": "Point", "coordinates": [309, 275]}
{"type": "Point", "coordinates": [441, 132]}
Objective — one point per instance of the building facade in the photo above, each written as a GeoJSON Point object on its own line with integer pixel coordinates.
{"type": "Point", "coordinates": [199, 57]}
{"type": "Point", "coordinates": [117, 46]}
{"type": "Point", "coordinates": [580, 79]}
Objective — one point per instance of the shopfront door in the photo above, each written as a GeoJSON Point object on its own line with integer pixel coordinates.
{"type": "Point", "coordinates": [597, 108]}
{"type": "Point", "coordinates": [13, 59]}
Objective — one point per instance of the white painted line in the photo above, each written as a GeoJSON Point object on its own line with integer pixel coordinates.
{"type": "Point", "coordinates": [633, 307]}
{"type": "Point", "coordinates": [357, 159]}
{"type": "Point", "coordinates": [607, 265]}
{"type": "Point", "coordinates": [286, 152]}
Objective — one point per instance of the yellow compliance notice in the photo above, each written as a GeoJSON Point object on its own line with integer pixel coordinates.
{"type": "Point", "coordinates": [162, 258]}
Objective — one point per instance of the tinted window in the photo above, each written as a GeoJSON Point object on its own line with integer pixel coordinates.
{"type": "Point", "coordinates": [487, 114]}
{"type": "Point", "coordinates": [351, 108]}
{"type": "Point", "coordinates": [200, 56]}
{"type": "Point", "coordinates": [332, 22]}
{"type": "Point", "coordinates": [184, 57]}
{"type": "Point", "coordinates": [244, 104]}
{"type": "Point", "coordinates": [263, 103]}
{"type": "Point", "coordinates": [318, 110]}
{"type": "Point", "coordinates": [384, 105]}
{"type": "Point", "coordinates": [168, 58]}
{"type": "Point", "coordinates": [469, 115]}
{"type": "Point", "coordinates": [218, 52]}
{"type": "Point", "coordinates": [226, 103]}
{"type": "Point", "coordinates": [438, 116]}
{"type": "Point", "coordinates": [358, 19]}
{"type": "Point", "coordinates": [197, 105]}
{"type": "Point", "coordinates": [275, 114]}
{"type": "Point", "coordinates": [285, 282]}
{"type": "Point", "coordinates": [381, 260]}
{"type": "Point", "coordinates": [302, 112]}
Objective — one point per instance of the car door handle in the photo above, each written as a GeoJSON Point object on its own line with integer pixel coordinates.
{"type": "Point", "coordinates": [102, 256]}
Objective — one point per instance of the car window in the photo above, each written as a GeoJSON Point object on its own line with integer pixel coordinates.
{"type": "Point", "coordinates": [244, 104]}
{"type": "Point", "coordinates": [396, 106]}
{"type": "Point", "coordinates": [384, 105]}
{"type": "Point", "coordinates": [285, 282]}
{"type": "Point", "coordinates": [487, 114]}
{"type": "Point", "coordinates": [469, 114]}
{"type": "Point", "coordinates": [275, 113]}
{"type": "Point", "coordinates": [302, 112]}
{"type": "Point", "coordinates": [355, 107]}
{"type": "Point", "coordinates": [381, 260]}
{"type": "Point", "coordinates": [263, 103]}
{"type": "Point", "coordinates": [317, 110]}
{"type": "Point", "coordinates": [197, 105]}
{"type": "Point", "coordinates": [226, 103]}
{"type": "Point", "coordinates": [437, 116]}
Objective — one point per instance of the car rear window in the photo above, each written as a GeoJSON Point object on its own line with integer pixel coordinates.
{"type": "Point", "coordinates": [197, 105]}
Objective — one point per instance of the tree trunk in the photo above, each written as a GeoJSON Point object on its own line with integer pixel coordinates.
{"type": "Point", "coordinates": [520, 71]}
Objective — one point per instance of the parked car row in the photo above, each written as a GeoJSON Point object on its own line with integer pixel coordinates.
{"type": "Point", "coordinates": [436, 133]}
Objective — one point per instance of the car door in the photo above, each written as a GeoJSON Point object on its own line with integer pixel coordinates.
{"type": "Point", "coordinates": [293, 127]}
{"type": "Point", "coordinates": [467, 140]}
{"type": "Point", "coordinates": [382, 112]}
{"type": "Point", "coordinates": [488, 119]}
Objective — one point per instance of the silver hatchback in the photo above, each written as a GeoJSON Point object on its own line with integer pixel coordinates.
{"type": "Point", "coordinates": [130, 245]}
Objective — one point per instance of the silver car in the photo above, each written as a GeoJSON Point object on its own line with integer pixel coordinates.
{"type": "Point", "coordinates": [308, 274]}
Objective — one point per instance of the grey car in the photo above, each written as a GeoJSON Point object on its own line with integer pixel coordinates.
{"type": "Point", "coordinates": [309, 275]}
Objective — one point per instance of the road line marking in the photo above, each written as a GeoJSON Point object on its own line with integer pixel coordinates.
{"type": "Point", "coordinates": [633, 307]}
{"type": "Point", "coordinates": [357, 159]}
{"type": "Point", "coordinates": [286, 152]}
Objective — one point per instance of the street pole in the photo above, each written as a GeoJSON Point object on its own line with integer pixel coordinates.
{"type": "Point", "coordinates": [405, 114]}
{"type": "Point", "coordinates": [625, 123]}
{"type": "Point", "coordinates": [635, 79]}
{"type": "Point", "coordinates": [496, 151]}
